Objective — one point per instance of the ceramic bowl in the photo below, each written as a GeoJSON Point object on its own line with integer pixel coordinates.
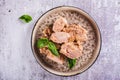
{"type": "Point", "coordinates": [96, 51]}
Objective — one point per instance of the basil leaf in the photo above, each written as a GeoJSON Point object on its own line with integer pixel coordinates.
{"type": "Point", "coordinates": [42, 42]}
{"type": "Point", "coordinates": [71, 62]}
{"type": "Point", "coordinates": [53, 49]}
{"type": "Point", "coordinates": [26, 18]}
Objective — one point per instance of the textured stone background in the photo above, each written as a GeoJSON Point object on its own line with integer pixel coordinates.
{"type": "Point", "coordinates": [16, 59]}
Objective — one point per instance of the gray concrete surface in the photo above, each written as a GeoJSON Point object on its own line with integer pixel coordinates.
{"type": "Point", "coordinates": [16, 59]}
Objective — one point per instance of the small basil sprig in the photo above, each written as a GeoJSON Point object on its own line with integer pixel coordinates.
{"type": "Point", "coordinates": [52, 48]}
{"type": "Point", "coordinates": [71, 62]}
{"type": "Point", "coordinates": [25, 18]}
{"type": "Point", "coordinates": [43, 42]}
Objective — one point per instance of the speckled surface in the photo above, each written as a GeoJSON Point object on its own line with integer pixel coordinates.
{"type": "Point", "coordinates": [16, 59]}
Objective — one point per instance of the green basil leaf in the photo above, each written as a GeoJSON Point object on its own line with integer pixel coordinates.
{"type": "Point", "coordinates": [53, 49]}
{"type": "Point", "coordinates": [26, 18]}
{"type": "Point", "coordinates": [71, 62]}
{"type": "Point", "coordinates": [42, 42]}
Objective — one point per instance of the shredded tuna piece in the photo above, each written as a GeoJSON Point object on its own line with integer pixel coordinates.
{"type": "Point", "coordinates": [76, 32]}
{"type": "Point", "coordinates": [71, 51]}
{"type": "Point", "coordinates": [60, 37]}
{"type": "Point", "coordinates": [45, 51]}
{"type": "Point", "coordinates": [59, 60]}
{"type": "Point", "coordinates": [59, 24]}
{"type": "Point", "coordinates": [47, 32]}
